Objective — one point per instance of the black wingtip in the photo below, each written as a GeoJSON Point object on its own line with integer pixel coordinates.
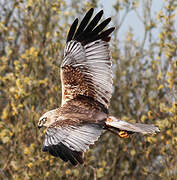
{"type": "Point", "coordinates": [101, 12]}
{"type": "Point", "coordinates": [66, 154]}
{"type": "Point", "coordinates": [90, 11]}
{"type": "Point", "coordinates": [45, 148]}
{"type": "Point", "coordinates": [94, 22]}
{"type": "Point", "coordinates": [88, 31]}
{"type": "Point", "coordinates": [84, 22]}
{"type": "Point", "coordinates": [106, 33]}
{"type": "Point", "coordinates": [101, 26]}
{"type": "Point", "coordinates": [72, 30]}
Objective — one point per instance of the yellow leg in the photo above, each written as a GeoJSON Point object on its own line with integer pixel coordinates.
{"type": "Point", "coordinates": [123, 134]}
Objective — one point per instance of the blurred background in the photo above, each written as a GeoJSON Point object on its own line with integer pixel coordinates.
{"type": "Point", "coordinates": [144, 51]}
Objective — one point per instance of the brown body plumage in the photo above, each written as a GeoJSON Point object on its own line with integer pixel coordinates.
{"type": "Point", "coordinates": [86, 75]}
{"type": "Point", "coordinates": [81, 110]}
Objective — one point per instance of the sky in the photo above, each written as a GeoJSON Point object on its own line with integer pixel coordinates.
{"type": "Point", "coordinates": [131, 19]}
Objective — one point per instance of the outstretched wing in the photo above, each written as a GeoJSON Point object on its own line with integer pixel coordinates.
{"type": "Point", "coordinates": [71, 141]}
{"type": "Point", "coordinates": [79, 124]}
{"type": "Point", "coordinates": [86, 67]}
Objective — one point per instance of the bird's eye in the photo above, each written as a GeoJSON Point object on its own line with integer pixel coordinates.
{"type": "Point", "coordinates": [44, 120]}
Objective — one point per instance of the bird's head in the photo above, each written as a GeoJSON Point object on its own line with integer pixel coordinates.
{"type": "Point", "coordinates": [48, 118]}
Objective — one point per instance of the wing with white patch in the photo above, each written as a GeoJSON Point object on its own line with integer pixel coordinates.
{"type": "Point", "coordinates": [86, 68]}
{"type": "Point", "coordinates": [70, 142]}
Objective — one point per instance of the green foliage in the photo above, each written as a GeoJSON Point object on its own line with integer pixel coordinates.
{"type": "Point", "coordinates": [32, 39]}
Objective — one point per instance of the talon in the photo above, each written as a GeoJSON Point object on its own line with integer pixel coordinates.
{"type": "Point", "coordinates": [109, 120]}
{"type": "Point", "coordinates": [123, 134]}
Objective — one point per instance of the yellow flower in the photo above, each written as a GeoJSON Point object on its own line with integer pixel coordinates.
{"type": "Point", "coordinates": [132, 152]}
{"type": "Point", "coordinates": [158, 57]}
{"type": "Point", "coordinates": [26, 151]}
{"type": "Point", "coordinates": [4, 113]}
{"type": "Point", "coordinates": [67, 13]}
{"type": "Point", "coordinates": [4, 58]}
{"type": "Point", "coordinates": [161, 36]}
{"type": "Point", "coordinates": [168, 132]}
{"type": "Point", "coordinates": [150, 114]}
{"type": "Point", "coordinates": [47, 157]}
{"type": "Point", "coordinates": [162, 137]}
{"type": "Point", "coordinates": [8, 50]}
{"type": "Point", "coordinates": [160, 87]}
{"type": "Point", "coordinates": [30, 165]}
{"type": "Point", "coordinates": [143, 118]}
{"type": "Point", "coordinates": [159, 15]}
{"type": "Point", "coordinates": [47, 34]}
{"type": "Point", "coordinates": [68, 171]}
{"type": "Point", "coordinates": [47, 174]}
{"type": "Point", "coordinates": [23, 56]}
{"type": "Point", "coordinates": [173, 109]}
{"type": "Point", "coordinates": [51, 161]}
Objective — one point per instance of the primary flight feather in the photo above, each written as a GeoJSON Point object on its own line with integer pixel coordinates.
{"type": "Point", "coordinates": [86, 76]}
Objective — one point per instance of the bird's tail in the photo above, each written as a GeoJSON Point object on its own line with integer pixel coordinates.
{"type": "Point", "coordinates": [124, 129]}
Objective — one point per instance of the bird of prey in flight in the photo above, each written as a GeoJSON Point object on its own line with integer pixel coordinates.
{"type": "Point", "coordinates": [86, 76]}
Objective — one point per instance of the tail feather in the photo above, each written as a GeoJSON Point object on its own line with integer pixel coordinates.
{"type": "Point", "coordinates": [113, 122]}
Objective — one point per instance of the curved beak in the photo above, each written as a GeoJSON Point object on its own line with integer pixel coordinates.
{"type": "Point", "coordinates": [39, 127]}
